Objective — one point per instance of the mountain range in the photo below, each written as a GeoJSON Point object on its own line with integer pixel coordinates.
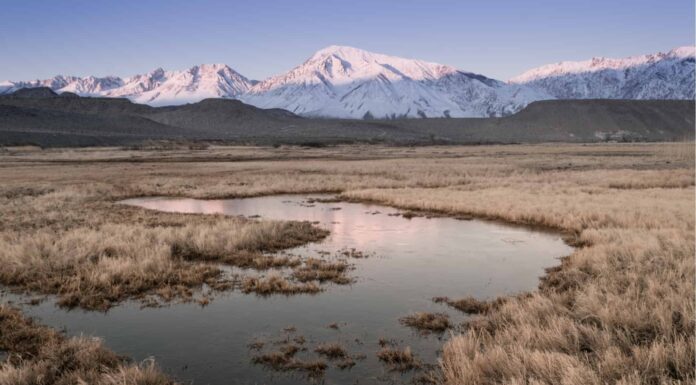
{"type": "Point", "coordinates": [346, 82]}
{"type": "Point", "coordinates": [39, 116]}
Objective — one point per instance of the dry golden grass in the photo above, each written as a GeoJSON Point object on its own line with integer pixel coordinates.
{"type": "Point", "coordinates": [40, 355]}
{"type": "Point", "coordinates": [471, 305]}
{"type": "Point", "coordinates": [275, 283]}
{"type": "Point", "coordinates": [315, 269]}
{"type": "Point", "coordinates": [62, 233]}
{"type": "Point", "coordinates": [619, 310]}
{"type": "Point", "coordinates": [427, 322]}
{"type": "Point", "coordinates": [398, 359]}
{"type": "Point", "coordinates": [95, 267]}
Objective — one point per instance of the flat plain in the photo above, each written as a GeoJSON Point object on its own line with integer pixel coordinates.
{"type": "Point", "coordinates": [619, 309]}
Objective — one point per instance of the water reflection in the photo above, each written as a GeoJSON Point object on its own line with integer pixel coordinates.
{"type": "Point", "coordinates": [414, 260]}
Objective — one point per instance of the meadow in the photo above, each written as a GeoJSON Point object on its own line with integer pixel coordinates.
{"type": "Point", "coordinates": [618, 310]}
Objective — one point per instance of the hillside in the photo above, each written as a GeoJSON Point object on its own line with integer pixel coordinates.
{"type": "Point", "coordinates": [44, 118]}
{"type": "Point", "coordinates": [588, 120]}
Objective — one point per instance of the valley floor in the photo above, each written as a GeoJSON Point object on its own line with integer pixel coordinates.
{"type": "Point", "coordinates": [619, 310]}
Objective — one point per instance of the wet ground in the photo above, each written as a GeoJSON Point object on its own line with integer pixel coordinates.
{"type": "Point", "coordinates": [409, 261]}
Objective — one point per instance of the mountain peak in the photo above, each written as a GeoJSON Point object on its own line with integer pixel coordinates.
{"type": "Point", "coordinates": [684, 51]}
{"type": "Point", "coordinates": [341, 50]}
{"type": "Point", "coordinates": [336, 48]}
{"type": "Point", "coordinates": [652, 76]}
{"type": "Point", "coordinates": [212, 67]}
{"type": "Point", "coordinates": [600, 64]}
{"type": "Point", "coordinates": [354, 56]}
{"type": "Point", "coordinates": [348, 82]}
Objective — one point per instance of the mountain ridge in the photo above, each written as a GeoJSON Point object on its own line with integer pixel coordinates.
{"type": "Point", "coordinates": [661, 75]}
{"type": "Point", "coordinates": [40, 116]}
{"type": "Point", "coordinates": [347, 82]}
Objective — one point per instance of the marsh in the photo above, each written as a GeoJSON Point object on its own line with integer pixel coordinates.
{"type": "Point", "coordinates": [406, 262]}
{"type": "Point", "coordinates": [628, 209]}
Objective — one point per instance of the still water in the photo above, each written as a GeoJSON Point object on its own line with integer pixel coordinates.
{"type": "Point", "coordinates": [410, 262]}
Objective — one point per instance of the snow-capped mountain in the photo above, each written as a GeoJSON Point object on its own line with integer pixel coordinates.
{"type": "Point", "coordinates": [655, 76]}
{"type": "Point", "coordinates": [84, 86]}
{"type": "Point", "coordinates": [347, 82]}
{"type": "Point", "coordinates": [178, 87]}
{"type": "Point", "coordinates": [157, 87]}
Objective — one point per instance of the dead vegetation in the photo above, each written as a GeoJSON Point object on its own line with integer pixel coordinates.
{"type": "Point", "coordinates": [95, 268]}
{"type": "Point", "coordinates": [471, 305]}
{"type": "Point", "coordinates": [275, 283]}
{"type": "Point", "coordinates": [315, 269]}
{"type": "Point", "coordinates": [285, 357]}
{"type": "Point", "coordinates": [304, 278]}
{"type": "Point", "coordinates": [618, 310]}
{"type": "Point", "coordinates": [332, 350]}
{"type": "Point", "coordinates": [284, 360]}
{"type": "Point", "coordinates": [398, 359]}
{"type": "Point", "coordinates": [427, 322]}
{"type": "Point", "coordinates": [353, 253]}
{"type": "Point", "coordinates": [37, 354]}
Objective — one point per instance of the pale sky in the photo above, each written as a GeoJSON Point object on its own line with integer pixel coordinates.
{"type": "Point", "coordinates": [499, 39]}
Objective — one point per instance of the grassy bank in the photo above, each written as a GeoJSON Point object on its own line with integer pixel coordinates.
{"type": "Point", "coordinates": [40, 355]}
{"type": "Point", "coordinates": [618, 310]}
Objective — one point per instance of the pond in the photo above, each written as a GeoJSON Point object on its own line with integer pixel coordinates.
{"type": "Point", "coordinates": [409, 262]}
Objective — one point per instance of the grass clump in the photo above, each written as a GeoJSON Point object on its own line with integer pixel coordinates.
{"type": "Point", "coordinates": [275, 360]}
{"type": "Point", "coordinates": [95, 268]}
{"type": "Point", "coordinates": [315, 269]}
{"type": "Point", "coordinates": [345, 363]}
{"type": "Point", "coordinates": [335, 352]}
{"type": "Point", "coordinates": [275, 283]}
{"type": "Point", "coordinates": [39, 355]}
{"type": "Point", "coordinates": [353, 253]}
{"type": "Point", "coordinates": [331, 350]}
{"type": "Point", "coordinates": [284, 360]}
{"type": "Point", "coordinates": [398, 359]}
{"type": "Point", "coordinates": [427, 322]}
{"type": "Point", "coordinates": [470, 305]}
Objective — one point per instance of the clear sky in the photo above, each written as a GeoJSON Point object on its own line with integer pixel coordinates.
{"type": "Point", "coordinates": [498, 38]}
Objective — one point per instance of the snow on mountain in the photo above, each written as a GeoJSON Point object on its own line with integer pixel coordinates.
{"type": "Point", "coordinates": [136, 85]}
{"type": "Point", "coordinates": [157, 87]}
{"type": "Point", "coordinates": [178, 87]}
{"type": "Point", "coordinates": [54, 83]}
{"type": "Point", "coordinates": [655, 76]}
{"type": "Point", "coordinates": [6, 86]}
{"type": "Point", "coordinates": [91, 85]}
{"type": "Point", "coordinates": [347, 82]}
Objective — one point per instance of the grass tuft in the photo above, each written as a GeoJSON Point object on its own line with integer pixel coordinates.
{"type": "Point", "coordinates": [331, 350]}
{"type": "Point", "coordinates": [398, 359]}
{"type": "Point", "coordinates": [275, 283]}
{"type": "Point", "coordinates": [39, 355]}
{"type": "Point", "coordinates": [427, 322]}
